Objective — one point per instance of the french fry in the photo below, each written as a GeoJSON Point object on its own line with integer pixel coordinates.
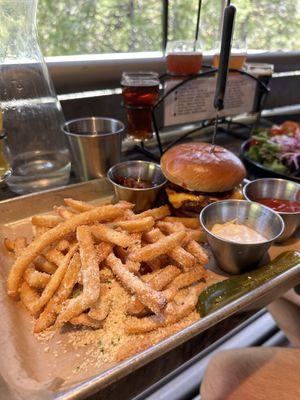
{"type": "Point", "coordinates": [9, 244]}
{"type": "Point", "coordinates": [20, 245]}
{"type": "Point", "coordinates": [198, 235]}
{"type": "Point", "coordinates": [139, 225]}
{"type": "Point", "coordinates": [90, 277]}
{"type": "Point", "coordinates": [173, 313]}
{"type": "Point", "coordinates": [155, 213]}
{"type": "Point", "coordinates": [169, 227]}
{"type": "Point", "coordinates": [197, 250]}
{"type": "Point", "coordinates": [106, 234]}
{"type": "Point", "coordinates": [36, 279]}
{"type": "Point", "coordinates": [101, 308]}
{"type": "Point", "coordinates": [62, 245]}
{"type": "Point", "coordinates": [166, 275]}
{"type": "Point", "coordinates": [106, 275]}
{"type": "Point", "coordinates": [54, 281]}
{"type": "Point", "coordinates": [192, 223]}
{"type": "Point", "coordinates": [162, 246]}
{"type": "Point", "coordinates": [44, 265]}
{"type": "Point", "coordinates": [77, 205]}
{"type": "Point", "coordinates": [188, 278]}
{"type": "Point", "coordinates": [48, 316]}
{"type": "Point", "coordinates": [53, 256]}
{"type": "Point", "coordinates": [157, 282]}
{"type": "Point", "coordinates": [148, 296]}
{"type": "Point", "coordinates": [85, 320]}
{"type": "Point", "coordinates": [128, 214]}
{"type": "Point", "coordinates": [153, 236]}
{"type": "Point", "coordinates": [178, 254]}
{"type": "Point", "coordinates": [63, 212]}
{"type": "Point", "coordinates": [102, 251]}
{"type": "Point", "coordinates": [29, 297]}
{"type": "Point", "coordinates": [47, 220]}
{"type": "Point", "coordinates": [181, 281]}
{"type": "Point", "coordinates": [39, 230]}
{"type": "Point", "coordinates": [134, 266]}
{"type": "Point", "coordinates": [143, 342]}
{"type": "Point", "coordinates": [156, 264]}
{"type": "Point", "coordinates": [58, 232]}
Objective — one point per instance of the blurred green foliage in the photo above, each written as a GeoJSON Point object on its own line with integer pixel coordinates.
{"type": "Point", "coordinates": [68, 27]}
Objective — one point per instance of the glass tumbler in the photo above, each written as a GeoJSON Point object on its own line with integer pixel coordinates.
{"type": "Point", "coordinates": [36, 148]}
{"type": "Point", "coordinates": [140, 93]}
{"type": "Point", "coordinates": [184, 57]}
{"type": "Point", "coordinates": [238, 55]}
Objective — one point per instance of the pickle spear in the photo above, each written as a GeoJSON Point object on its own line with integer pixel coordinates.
{"type": "Point", "coordinates": [221, 293]}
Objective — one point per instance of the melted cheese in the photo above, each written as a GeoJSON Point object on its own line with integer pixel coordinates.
{"type": "Point", "coordinates": [237, 194]}
{"type": "Point", "coordinates": [177, 199]}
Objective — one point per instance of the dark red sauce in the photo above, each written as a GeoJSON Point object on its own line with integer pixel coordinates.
{"type": "Point", "coordinates": [134, 183]}
{"type": "Point", "coordinates": [281, 205]}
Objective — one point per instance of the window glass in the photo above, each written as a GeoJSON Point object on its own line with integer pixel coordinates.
{"type": "Point", "coordinates": [266, 24]}
{"type": "Point", "coordinates": [69, 27]}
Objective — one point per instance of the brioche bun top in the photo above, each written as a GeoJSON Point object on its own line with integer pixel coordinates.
{"type": "Point", "coordinates": [202, 167]}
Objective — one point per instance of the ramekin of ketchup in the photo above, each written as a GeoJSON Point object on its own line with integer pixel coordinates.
{"type": "Point", "coordinates": [281, 205]}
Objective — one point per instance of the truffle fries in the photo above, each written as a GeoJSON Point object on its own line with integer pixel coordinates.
{"type": "Point", "coordinates": [58, 232]}
{"type": "Point", "coordinates": [158, 248]}
{"type": "Point", "coordinates": [48, 316]}
{"type": "Point", "coordinates": [158, 282]}
{"type": "Point", "coordinates": [67, 273]}
{"type": "Point", "coordinates": [174, 312]}
{"type": "Point", "coordinates": [90, 278]}
{"type": "Point", "coordinates": [138, 225]}
{"type": "Point", "coordinates": [148, 296]}
{"type": "Point", "coordinates": [178, 253]}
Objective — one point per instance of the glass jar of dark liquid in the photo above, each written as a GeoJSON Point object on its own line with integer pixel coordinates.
{"type": "Point", "coordinates": [140, 93]}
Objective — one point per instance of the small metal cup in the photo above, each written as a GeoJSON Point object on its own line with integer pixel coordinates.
{"type": "Point", "coordinates": [277, 189]}
{"type": "Point", "coordinates": [236, 258]}
{"type": "Point", "coordinates": [144, 170]}
{"type": "Point", "coordinates": [95, 144]}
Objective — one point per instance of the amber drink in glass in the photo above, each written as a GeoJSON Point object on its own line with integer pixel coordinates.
{"type": "Point", "coordinates": [237, 58]}
{"type": "Point", "coordinates": [184, 57]}
{"type": "Point", "coordinates": [140, 93]}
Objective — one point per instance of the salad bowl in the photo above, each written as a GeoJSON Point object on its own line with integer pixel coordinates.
{"type": "Point", "coordinates": [260, 170]}
{"type": "Point", "coordinates": [274, 151]}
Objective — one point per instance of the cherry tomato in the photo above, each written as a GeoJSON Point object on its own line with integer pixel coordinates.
{"type": "Point", "coordinates": [290, 127]}
{"type": "Point", "coordinates": [253, 142]}
{"type": "Point", "coordinates": [276, 130]}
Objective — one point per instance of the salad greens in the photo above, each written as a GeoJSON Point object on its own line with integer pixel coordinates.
{"type": "Point", "coordinates": [278, 152]}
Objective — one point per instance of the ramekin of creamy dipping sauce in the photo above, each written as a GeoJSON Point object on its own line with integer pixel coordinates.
{"type": "Point", "coordinates": [240, 233]}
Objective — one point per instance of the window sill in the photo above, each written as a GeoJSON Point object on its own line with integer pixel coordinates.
{"type": "Point", "coordinates": [103, 71]}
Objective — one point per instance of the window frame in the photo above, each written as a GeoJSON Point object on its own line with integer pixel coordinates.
{"type": "Point", "coordinates": [103, 71]}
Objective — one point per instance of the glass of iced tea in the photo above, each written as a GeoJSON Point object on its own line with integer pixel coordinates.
{"type": "Point", "coordinates": [238, 55]}
{"type": "Point", "coordinates": [184, 57]}
{"type": "Point", "coordinates": [140, 93]}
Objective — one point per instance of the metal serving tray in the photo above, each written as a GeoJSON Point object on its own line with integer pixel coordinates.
{"type": "Point", "coordinates": [14, 210]}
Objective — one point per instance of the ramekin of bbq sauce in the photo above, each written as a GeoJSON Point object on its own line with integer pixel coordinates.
{"type": "Point", "coordinates": [280, 195]}
{"type": "Point", "coordinates": [138, 182]}
{"type": "Point", "coordinates": [134, 183]}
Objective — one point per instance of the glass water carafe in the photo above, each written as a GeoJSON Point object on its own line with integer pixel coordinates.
{"type": "Point", "coordinates": [32, 116]}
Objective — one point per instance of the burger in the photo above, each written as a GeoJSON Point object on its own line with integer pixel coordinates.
{"type": "Point", "coordinates": [199, 174]}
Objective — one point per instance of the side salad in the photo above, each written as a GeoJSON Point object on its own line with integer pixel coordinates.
{"type": "Point", "coordinates": [277, 148]}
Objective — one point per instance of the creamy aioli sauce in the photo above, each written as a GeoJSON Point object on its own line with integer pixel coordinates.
{"type": "Point", "coordinates": [238, 233]}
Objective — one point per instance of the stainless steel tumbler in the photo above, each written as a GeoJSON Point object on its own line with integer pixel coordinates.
{"type": "Point", "coordinates": [95, 144]}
